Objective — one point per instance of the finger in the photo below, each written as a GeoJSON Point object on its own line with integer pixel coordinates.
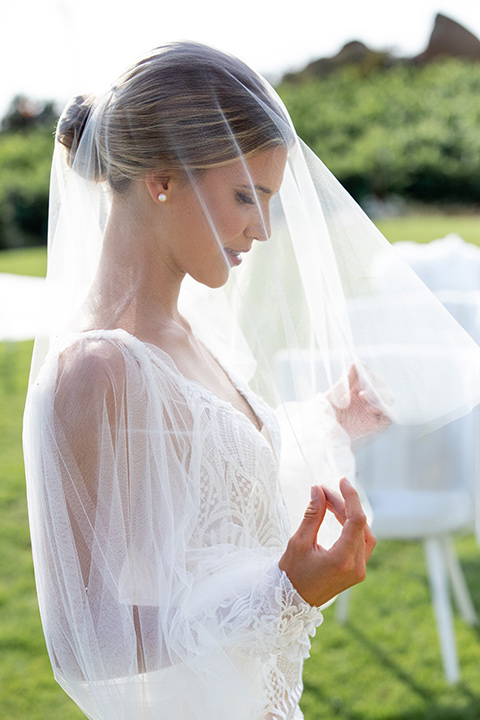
{"type": "Point", "coordinates": [353, 532]}
{"type": "Point", "coordinates": [347, 505]}
{"type": "Point", "coordinates": [336, 504]}
{"type": "Point", "coordinates": [352, 374]}
{"type": "Point", "coordinates": [354, 380]}
{"type": "Point", "coordinates": [339, 503]}
{"type": "Point", "coordinates": [351, 497]}
{"type": "Point", "coordinates": [360, 545]}
{"type": "Point", "coordinates": [370, 542]}
{"type": "Point", "coordinates": [356, 518]}
{"type": "Point", "coordinates": [313, 518]}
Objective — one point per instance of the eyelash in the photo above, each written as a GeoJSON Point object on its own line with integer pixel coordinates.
{"type": "Point", "coordinates": [243, 198]}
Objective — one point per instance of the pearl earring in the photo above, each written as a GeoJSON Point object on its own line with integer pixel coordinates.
{"type": "Point", "coordinates": [162, 197]}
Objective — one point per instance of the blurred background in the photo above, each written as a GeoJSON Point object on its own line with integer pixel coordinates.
{"type": "Point", "coordinates": [388, 95]}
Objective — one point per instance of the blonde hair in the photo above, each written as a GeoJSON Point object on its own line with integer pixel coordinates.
{"type": "Point", "coordinates": [183, 106]}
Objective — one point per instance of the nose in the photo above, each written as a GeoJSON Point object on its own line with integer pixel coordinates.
{"type": "Point", "coordinates": [260, 227]}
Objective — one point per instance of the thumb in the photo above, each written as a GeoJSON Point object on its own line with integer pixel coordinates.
{"type": "Point", "coordinates": [313, 518]}
{"type": "Point", "coordinates": [352, 374]}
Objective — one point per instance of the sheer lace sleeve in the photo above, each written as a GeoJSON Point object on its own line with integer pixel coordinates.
{"type": "Point", "coordinates": [138, 575]}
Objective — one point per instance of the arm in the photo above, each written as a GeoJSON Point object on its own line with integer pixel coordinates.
{"type": "Point", "coordinates": [120, 487]}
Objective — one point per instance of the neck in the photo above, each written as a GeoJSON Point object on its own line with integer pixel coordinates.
{"type": "Point", "coordinates": [136, 286]}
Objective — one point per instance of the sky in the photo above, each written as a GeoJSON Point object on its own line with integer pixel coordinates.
{"type": "Point", "coordinates": [53, 49]}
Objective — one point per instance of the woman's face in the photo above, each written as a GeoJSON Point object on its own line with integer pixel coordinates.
{"type": "Point", "coordinates": [219, 216]}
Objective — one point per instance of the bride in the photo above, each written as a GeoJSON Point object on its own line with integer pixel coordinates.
{"type": "Point", "coordinates": [190, 250]}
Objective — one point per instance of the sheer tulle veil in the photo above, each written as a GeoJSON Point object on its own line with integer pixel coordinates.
{"type": "Point", "coordinates": [325, 293]}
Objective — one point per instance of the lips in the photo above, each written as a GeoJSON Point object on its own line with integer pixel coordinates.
{"type": "Point", "coordinates": [234, 256]}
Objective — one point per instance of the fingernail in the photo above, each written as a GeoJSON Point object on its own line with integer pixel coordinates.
{"type": "Point", "coordinates": [313, 492]}
{"type": "Point", "coordinates": [346, 480]}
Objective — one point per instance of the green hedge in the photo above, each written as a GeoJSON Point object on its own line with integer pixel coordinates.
{"type": "Point", "coordinates": [25, 159]}
{"type": "Point", "coordinates": [407, 131]}
{"type": "Point", "coordinates": [410, 131]}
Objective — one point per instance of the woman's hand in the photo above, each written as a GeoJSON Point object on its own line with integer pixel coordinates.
{"type": "Point", "coordinates": [318, 574]}
{"type": "Point", "coordinates": [361, 416]}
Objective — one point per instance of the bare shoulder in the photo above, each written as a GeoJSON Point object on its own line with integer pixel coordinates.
{"type": "Point", "coordinates": [92, 362]}
{"type": "Point", "coordinates": [91, 371]}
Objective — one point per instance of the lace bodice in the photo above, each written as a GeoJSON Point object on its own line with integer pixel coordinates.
{"type": "Point", "coordinates": [179, 555]}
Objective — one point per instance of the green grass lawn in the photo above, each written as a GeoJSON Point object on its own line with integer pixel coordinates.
{"type": "Point", "coordinates": [384, 664]}
{"type": "Point", "coordinates": [424, 228]}
{"type": "Point", "coordinates": [27, 689]}
{"type": "Point", "coordinates": [27, 261]}
{"type": "Point", "coordinates": [417, 228]}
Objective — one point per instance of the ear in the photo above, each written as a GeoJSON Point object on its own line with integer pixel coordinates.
{"type": "Point", "coordinates": [156, 183]}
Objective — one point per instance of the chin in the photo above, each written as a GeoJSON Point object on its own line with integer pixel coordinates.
{"type": "Point", "coordinates": [215, 284]}
{"type": "Point", "coordinates": [214, 281]}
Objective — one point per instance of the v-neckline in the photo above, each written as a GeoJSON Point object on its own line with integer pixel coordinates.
{"type": "Point", "coordinates": [259, 426]}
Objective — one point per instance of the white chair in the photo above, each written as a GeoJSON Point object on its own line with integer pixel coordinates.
{"type": "Point", "coordinates": [420, 488]}
{"type": "Point", "coordinates": [427, 488]}
{"type": "Point", "coordinates": [423, 489]}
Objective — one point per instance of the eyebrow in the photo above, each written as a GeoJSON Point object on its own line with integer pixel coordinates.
{"type": "Point", "coordinates": [258, 188]}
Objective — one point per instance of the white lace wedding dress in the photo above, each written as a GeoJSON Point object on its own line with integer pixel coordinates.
{"type": "Point", "coordinates": [157, 525]}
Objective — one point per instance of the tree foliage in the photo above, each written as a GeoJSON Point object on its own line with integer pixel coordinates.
{"type": "Point", "coordinates": [25, 114]}
{"type": "Point", "coordinates": [26, 145]}
{"type": "Point", "coordinates": [411, 131]}
{"type": "Point", "coordinates": [408, 131]}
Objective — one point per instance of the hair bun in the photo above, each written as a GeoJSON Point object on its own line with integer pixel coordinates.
{"type": "Point", "coordinates": [70, 131]}
{"type": "Point", "coordinates": [73, 121]}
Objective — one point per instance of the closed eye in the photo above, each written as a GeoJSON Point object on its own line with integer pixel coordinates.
{"type": "Point", "coordinates": [244, 198]}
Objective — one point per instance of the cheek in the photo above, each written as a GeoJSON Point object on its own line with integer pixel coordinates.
{"type": "Point", "coordinates": [196, 227]}
{"type": "Point", "coordinates": [223, 218]}
{"type": "Point", "coordinates": [229, 221]}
